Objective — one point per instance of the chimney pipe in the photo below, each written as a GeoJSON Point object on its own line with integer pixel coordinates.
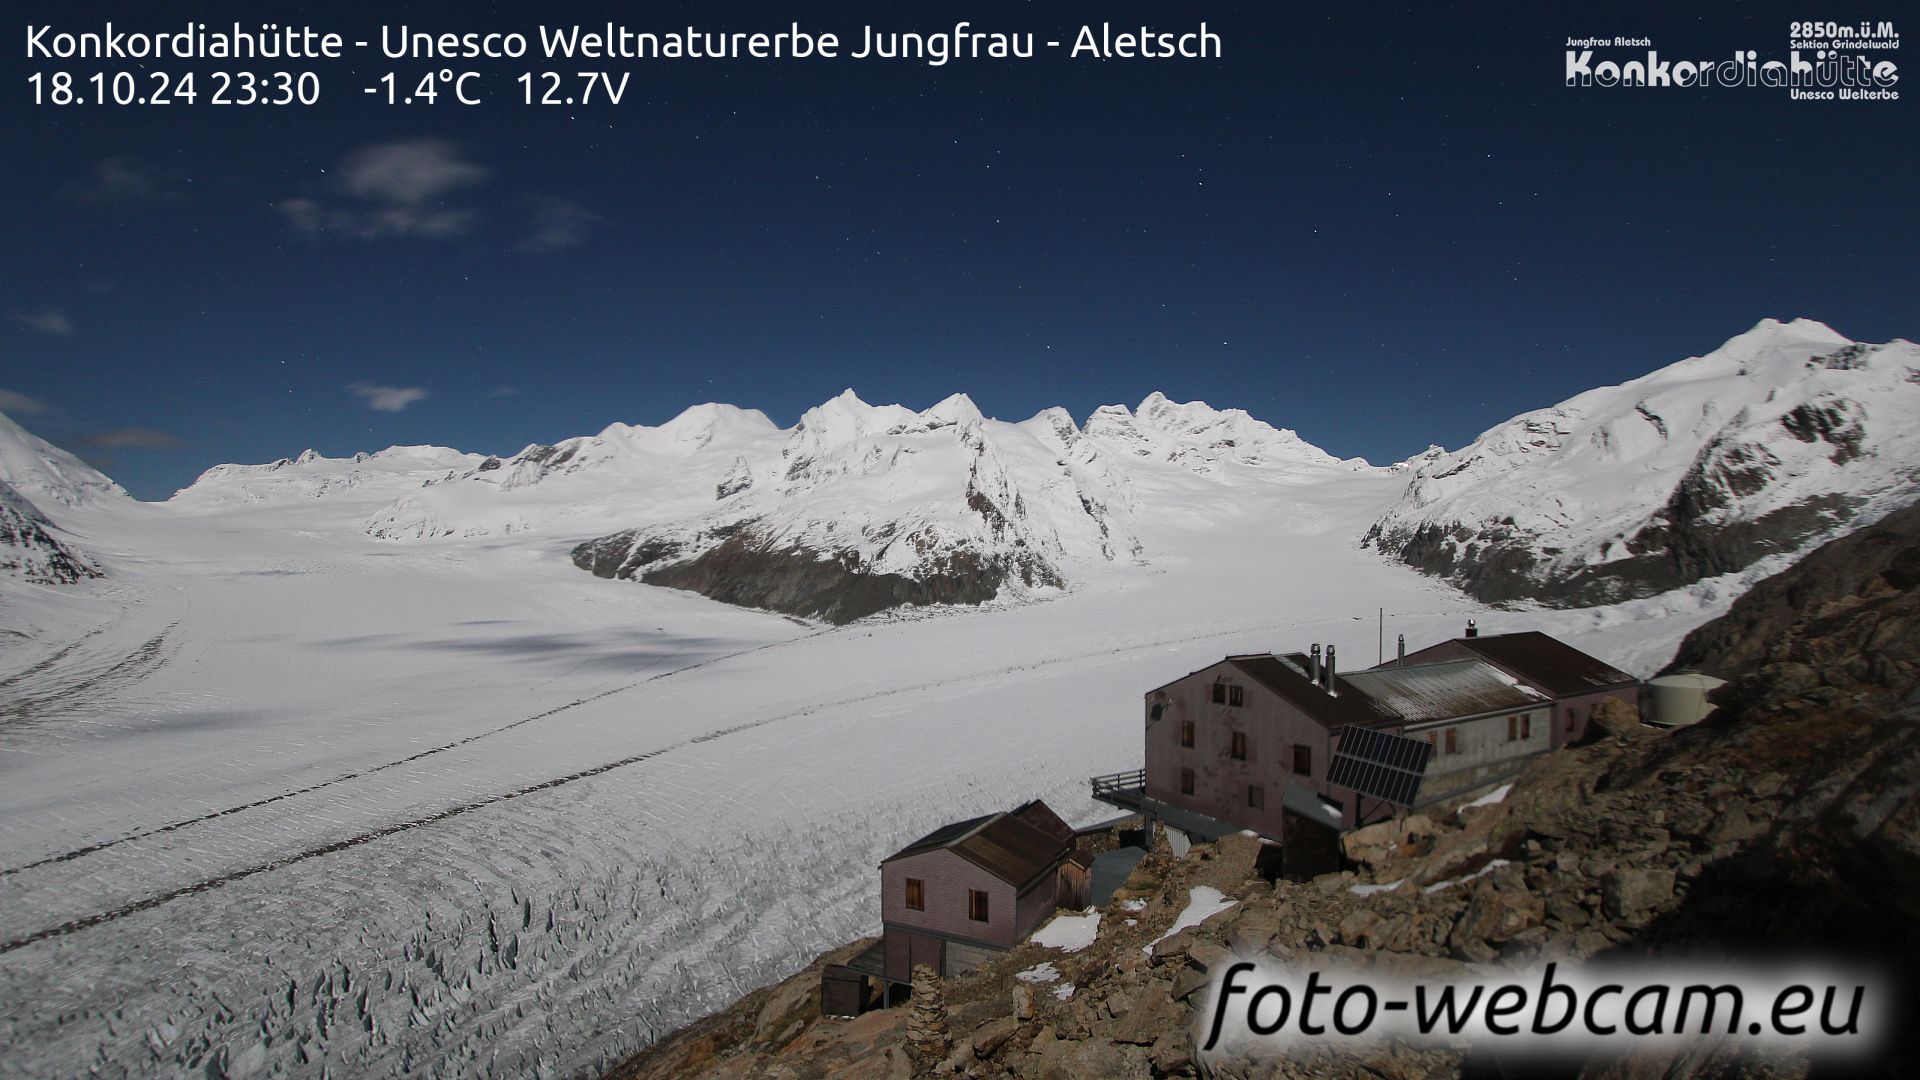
{"type": "Point", "coordinates": [1330, 687]}
{"type": "Point", "coordinates": [1472, 630]}
{"type": "Point", "coordinates": [1403, 647]}
{"type": "Point", "coordinates": [1313, 665]}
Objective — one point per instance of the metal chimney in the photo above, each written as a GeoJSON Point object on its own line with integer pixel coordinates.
{"type": "Point", "coordinates": [1403, 648]}
{"type": "Point", "coordinates": [1313, 665]}
{"type": "Point", "coordinates": [1472, 630]}
{"type": "Point", "coordinates": [1330, 687]}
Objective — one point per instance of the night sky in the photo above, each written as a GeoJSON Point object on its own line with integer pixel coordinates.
{"type": "Point", "coordinates": [1381, 226]}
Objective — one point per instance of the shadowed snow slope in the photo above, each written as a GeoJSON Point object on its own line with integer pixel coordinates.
{"type": "Point", "coordinates": [1776, 440]}
{"type": "Point", "coordinates": [35, 475]}
{"type": "Point", "coordinates": [46, 475]}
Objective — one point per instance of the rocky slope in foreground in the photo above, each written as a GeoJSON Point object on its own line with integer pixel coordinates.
{"type": "Point", "coordinates": [1789, 821]}
{"type": "Point", "coordinates": [1786, 435]}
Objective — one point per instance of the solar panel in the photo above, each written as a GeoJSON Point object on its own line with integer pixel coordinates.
{"type": "Point", "coordinates": [1379, 764]}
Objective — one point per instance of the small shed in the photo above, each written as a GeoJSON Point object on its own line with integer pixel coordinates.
{"type": "Point", "coordinates": [965, 891]}
{"type": "Point", "coordinates": [1313, 835]}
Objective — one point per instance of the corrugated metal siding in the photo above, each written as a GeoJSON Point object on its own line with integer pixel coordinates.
{"type": "Point", "coordinates": [1012, 850]}
{"type": "Point", "coordinates": [1010, 847]}
{"type": "Point", "coordinates": [1438, 691]}
{"type": "Point", "coordinates": [1540, 659]}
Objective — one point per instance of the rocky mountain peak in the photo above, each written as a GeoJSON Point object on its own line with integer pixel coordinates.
{"type": "Point", "coordinates": [1769, 443]}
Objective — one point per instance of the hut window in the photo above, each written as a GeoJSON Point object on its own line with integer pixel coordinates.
{"type": "Point", "coordinates": [1256, 796]}
{"type": "Point", "coordinates": [1526, 726]}
{"type": "Point", "coordinates": [916, 894]}
{"type": "Point", "coordinates": [1186, 733]}
{"type": "Point", "coordinates": [1239, 746]}
{"type": "Point", "coordinates": [1186, 781]}
{"type": "Point", "coordinates": [1513, 728]}
{"type": "Point", "coordinates": [1219, 693]}
{"type": "Point", "coordinates": [1303, 759]}
{"type": "Point", "coordinates": [1236, 695]}
{"type": "Point", "coordinates": [1453, 740]}
{"type": "Point", "coordinates": [976, 905]}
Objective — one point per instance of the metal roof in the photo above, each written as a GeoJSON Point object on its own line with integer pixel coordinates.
{"type": "Point", "coordinates": [942, 836]}
{"type": "Point", "coordinates": [1306, 802]}
{"type": "Point", "coordinates": [1003, 845]}
{"type": "Point", "coordinates": [1041, 816]}
{"type": "Point", "coordinates": [1287, 677]}
{"type": "Point", "coordinates": [1443, 691]}
{"type": "Point", "coordinates": [1549, 663]}
{"type": "Point", "coordinates": [1401, 695]}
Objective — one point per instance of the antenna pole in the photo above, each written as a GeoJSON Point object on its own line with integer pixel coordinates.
{"type": "Point", "coordinates": [1383, 637]}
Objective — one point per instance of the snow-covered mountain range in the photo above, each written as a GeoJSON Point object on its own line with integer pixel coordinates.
{"type": "Point", "coordinates": [1781, 437]}
{"type": "Point", "coordinates": [346, 764]}
{"type": "Point", "coordinates": [855, 509]}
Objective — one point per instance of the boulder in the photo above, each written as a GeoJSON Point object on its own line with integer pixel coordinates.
{"type": "Point", "coordinates": [1615, 717]}
{"type": "Point", "coordinates": [1252, 929]}
{"type": "Point", "coordinates": [989, 1037]}
{"type": "Point", "coordinates": [1494, 914]}
{"type": "Point", "coordinates": [1631, 895]}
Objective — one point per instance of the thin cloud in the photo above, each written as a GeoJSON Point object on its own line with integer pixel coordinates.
{"type": "Point", "coordinates": [409, 172]}
{"type": "Point", "coordinates": [133, 439]}
{"type": "Point", "coordinates": [392, 189]}
{"type": "Point", "coordinates": [504, 391]}
{"type": "Point", "coordinates": [558, 224]}
{"type": "Point", "coordinates": [129, 180]}
{"type": "Point", "coordinates": [51, 321]}
{"type": "Point", "coordinates": [19, 404]}
{"type": "Point", "coordinates": [386, 398]}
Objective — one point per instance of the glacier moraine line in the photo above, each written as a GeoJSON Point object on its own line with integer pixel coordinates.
{"type": "Point", "coordinates": [147, 903]}
{"type": "Point", "coordinates": [80, 852]}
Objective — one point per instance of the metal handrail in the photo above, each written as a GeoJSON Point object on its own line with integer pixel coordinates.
{"type": "Point", "coordinates": [1120, 781]}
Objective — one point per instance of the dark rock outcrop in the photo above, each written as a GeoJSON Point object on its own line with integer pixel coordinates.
{"type": "Point", "coordinates": [1844, 620]}
{"type": "Point", "coordinates": [738, 564]}
{"type": "Point", "coordinates": [1500, 564]}
{"type": "Point", "coordinates": [30, 551]}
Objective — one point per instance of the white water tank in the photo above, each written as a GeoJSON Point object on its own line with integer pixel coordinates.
{"type": "Point", "coordinates": [1680, 699]}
